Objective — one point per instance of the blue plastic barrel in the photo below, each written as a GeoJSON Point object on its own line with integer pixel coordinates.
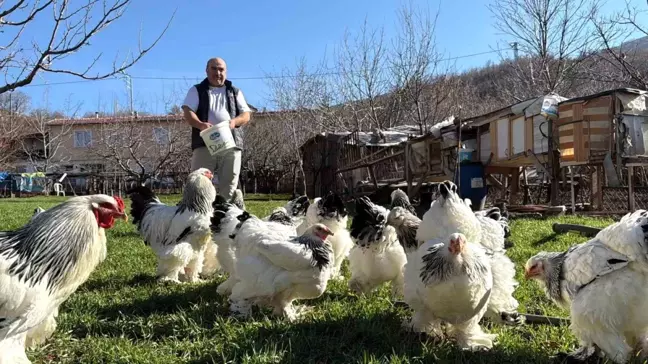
{"type": "Point", "coordinates": [472, 184]}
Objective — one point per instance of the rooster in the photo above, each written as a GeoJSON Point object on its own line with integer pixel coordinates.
{"type": "Point", "coordinates": [331, 212]}
{"type": "Point", "coordinates": [377, 256]}
{"type": "Point", "coordinates": [178, 234]}
{"type": "Point", "coordinates": [448, 214]}
{"type": "Point", "coordinates": [44, 262]}
{"type": "Point", "coordinates": [275, 267]}
{"type": "Point", "coordinates": [448, 280]}
{"type": "Point", "coordinates": [604, 284]}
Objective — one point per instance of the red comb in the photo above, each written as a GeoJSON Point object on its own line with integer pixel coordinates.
{"type": "Point", "coordinates": [120, 203]}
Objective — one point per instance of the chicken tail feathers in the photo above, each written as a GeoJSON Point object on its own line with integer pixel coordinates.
{"type": "Point", "coordinates": [141, 198]}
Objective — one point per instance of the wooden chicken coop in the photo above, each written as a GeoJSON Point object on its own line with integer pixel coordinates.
{"type": "Point", "coordinates": [512, 138]}
{"type": "Point", "coordinates": [607, 132]}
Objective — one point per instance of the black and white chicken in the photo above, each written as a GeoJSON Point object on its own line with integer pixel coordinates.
{"type": "Point", "coordinates": [275, 267]}
{"type": "Point", "coordinates": [604, 284]}
{"type": "Point", "coordinates": [214, 261]}
{"type": "Point", "coordinates": [449, 214]}
{"type": "Point", "coordinates": [331, 211]}
{"type": "Point", "coordinates": [377, 256]}
{"type": "Point", "coordinates": [448, 280]}
{"type": "Point", "coordinates": [178, 234]}
{"type": "Point", "coordinates": [293, 213]}
{"type": "Point", "coordinates": [44, 262]}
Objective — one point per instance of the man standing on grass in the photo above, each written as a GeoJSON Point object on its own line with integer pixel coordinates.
{"type": "Point", "coordinates": [215, 100]}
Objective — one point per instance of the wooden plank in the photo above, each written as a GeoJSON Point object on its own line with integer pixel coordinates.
{"type": "Point", "coordinates": [383, 159]}
{"type": "Point", "coordinates": [578, 112]}
{"type": "Point", "coordinates": [631, 196]}
{"type": "Point", "coordinates": [372, 173]}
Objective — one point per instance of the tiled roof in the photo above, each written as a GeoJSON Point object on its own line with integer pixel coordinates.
{"type": "Point", "coordinates": [115, 119]}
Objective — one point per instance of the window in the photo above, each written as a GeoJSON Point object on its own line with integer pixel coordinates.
{"type": "Point", "coordinates": [161, 135]}
{"type": "Point", "coordinates": [82, 139]}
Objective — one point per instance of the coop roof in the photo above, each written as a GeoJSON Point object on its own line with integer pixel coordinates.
{"type": "Point", "coordinates": [633, 91]}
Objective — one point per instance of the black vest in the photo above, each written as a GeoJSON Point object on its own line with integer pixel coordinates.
{"type": "Point", "coordinates": [203, 111]}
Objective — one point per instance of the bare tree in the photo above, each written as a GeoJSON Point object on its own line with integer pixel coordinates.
{"type": "Point", "coordinates": [421, 77]}
{"type": "Point", "coordinates": [624, 58]}
{"type": "Point", "coordinates": [143, 149]}
{"type": "Point", "coordinates": [553, 39]}
{"type": "Point", "coordinates": [363, 62]}
{"type": "Point", "coordinates": [299, 94]}
{"type": "Point", "coordinates": [38, 145]}
{"type": "Point", "coordinates": [17, 102]}
{"type": "Point", "coordinates": [72, 26]}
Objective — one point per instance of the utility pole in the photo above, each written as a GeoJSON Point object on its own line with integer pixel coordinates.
{"type": "Point", "coordinates": [514, 45]}
{"type": "Point", "coordinates": [129, 85]}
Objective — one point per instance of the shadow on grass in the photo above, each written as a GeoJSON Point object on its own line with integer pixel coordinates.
{"type": "Point", "coordinates": [352, 339]}
{"type": "Point", "coordinates": [546, 239]}
{"type": "Point", "coordinates": [115, 284]}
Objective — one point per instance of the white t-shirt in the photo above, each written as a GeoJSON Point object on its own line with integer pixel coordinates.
{"type": "Point", "coordinates": [217, 103]}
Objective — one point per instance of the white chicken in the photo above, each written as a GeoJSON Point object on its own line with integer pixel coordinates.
{"type": "Point", "coordinates": [224, 223]}
{"type": "Point", "coordinates": [449, 214]}
{"type": "Point", "coordinates": [377, 256]}
{"type": "Point", "coordinates": [274, 267]}
{"type": "Point", "coordinates": [178, 234]}
{"type": "Point", "coordinates": [44, 262]}
{"type": "Point", "coordinates": [604, 284]}
{"type": "Point", "coordinates": [212, 263]}
{"type": "Point", "coordinates": [449, 281]}
{"type": "Point", "coordinates": [331, 212]}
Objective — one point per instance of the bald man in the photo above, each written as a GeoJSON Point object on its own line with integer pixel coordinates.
{"type": "Point", "coordinates": [213, 101]}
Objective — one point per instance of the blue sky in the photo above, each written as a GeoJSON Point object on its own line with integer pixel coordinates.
{"type": "Point", "coordinates": [254, 37]}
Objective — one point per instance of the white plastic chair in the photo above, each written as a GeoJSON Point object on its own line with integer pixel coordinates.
{"type": "Point", "coordinates": [58, 189]}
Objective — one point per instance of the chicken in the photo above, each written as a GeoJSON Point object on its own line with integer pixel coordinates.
{"type": "Point", "coordinates": [274, 267]}
{"type": "Point", "coordinates": [331, 212]}
{"type": "Point", "coordinates": [448, 280]}
{"type": "Point", "coordinates": [377, 256]}
{"type": "Point", "coordinates": [406, 225]}
{"type": "Point", "coordinates": [212, 263]}
{"type": "Point", "coordinates": [292, 213]}
{"type": "Point", "coordinates": [44, 262]}
{"type": "Point", "coordinates": [400, 199]}
{"type": "Point", "coordinates": [223, 224]}
{"type": "Point", "coordinates": [178, 234]}
{"type": "Point", "coordinates": [402, 217]}
{"type": "Point", "coordinates": [604, 284]}
{"type": "Point", "coordinates": [449, 214]}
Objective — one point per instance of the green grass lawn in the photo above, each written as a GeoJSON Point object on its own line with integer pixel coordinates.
{"type": "Point", "coordinates": [121, 315]}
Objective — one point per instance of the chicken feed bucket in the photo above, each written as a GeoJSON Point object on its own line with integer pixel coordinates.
{"type": "Point", "coordinates": [218, 138]}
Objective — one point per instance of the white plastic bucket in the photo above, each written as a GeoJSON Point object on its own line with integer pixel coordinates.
{"type": "Point", "coordinates": [218, 138]}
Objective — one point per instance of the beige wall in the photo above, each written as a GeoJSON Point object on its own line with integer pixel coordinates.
{"type": "Point", "coordinates": [65, 153]}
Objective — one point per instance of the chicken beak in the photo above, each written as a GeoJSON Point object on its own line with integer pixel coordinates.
{"type": "Point", "coordinates": [122, 215]}
{"type": "Point", "coordinates": [528, 273]}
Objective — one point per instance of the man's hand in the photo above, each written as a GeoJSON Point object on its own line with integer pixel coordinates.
{"type": "Point", "coordinates": [232, 124]}
{"type": "Point", "coordinates": [202, 126]}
